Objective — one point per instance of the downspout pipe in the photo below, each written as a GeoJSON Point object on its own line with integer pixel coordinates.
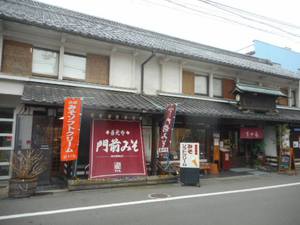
{"type": "Point", "coordinates": [142, 71]}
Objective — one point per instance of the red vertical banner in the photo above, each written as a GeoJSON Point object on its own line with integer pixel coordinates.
{"type": "Point", "coordinates": [71, 129]}
{"type": "Point", "coordinates": [116, 149]}
{"type": "Point", "coordinates": [166, 131]}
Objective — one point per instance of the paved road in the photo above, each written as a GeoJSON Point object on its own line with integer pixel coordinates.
{"type": "Point", "coordinates": [279, 205]}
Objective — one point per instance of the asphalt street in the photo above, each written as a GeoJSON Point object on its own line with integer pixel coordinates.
{"type": "Point", "coordinates": [245, 200]}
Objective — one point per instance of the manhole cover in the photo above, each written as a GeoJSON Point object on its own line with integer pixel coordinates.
{"type": "Point", "coordinates": [158, 195]}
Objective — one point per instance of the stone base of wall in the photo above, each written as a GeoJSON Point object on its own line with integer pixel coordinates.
{"type": "Point", "coordinates": [85, 184]}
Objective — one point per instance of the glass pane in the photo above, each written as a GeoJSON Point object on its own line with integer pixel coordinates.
{"type": "Point", "coordinates": [201, 85]}
{"type": "Point", "coordinates": [6, 113]}
{"type": "Point", "coordinates": [74, 66]}
{"type": "Point", "coordinates": [5, 141]}
{"type": "Point", "coordinates": [45, 62]}
{"type": "Point", "coordinates": [217, 87]}
{"type": "Point", "coordinates": [5, 127]}
{"type": "Point", "coordinates": [5, 155]}
{"type": "Point", "coordinates": [4, 170]}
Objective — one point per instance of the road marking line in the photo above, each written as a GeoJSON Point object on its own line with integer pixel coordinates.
{"type": "Point", "coordinates": [85, 208]}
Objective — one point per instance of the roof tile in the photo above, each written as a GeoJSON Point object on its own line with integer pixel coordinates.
{"type": "Point", "coordinates": [51, 17]}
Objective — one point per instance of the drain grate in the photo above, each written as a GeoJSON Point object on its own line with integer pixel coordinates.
{"type": "Point", "coordinates": [158, 195]}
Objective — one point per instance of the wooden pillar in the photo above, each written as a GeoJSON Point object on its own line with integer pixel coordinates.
{"type": "Point", "coordinates": [155, 136]}
{"type": "Point", "coordinates": [211, 85]}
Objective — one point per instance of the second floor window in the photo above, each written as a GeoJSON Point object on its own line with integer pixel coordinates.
{"type": "Point", "coordinates": [74, 66]}
{"type": "Point", "coordinates": [218, 87]}
{"type": "Point", "coordinates": [201, 85]}
{"type": "Point", "coordinates": [45, 62]}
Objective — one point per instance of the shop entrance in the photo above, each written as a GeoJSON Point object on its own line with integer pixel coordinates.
{"type": "Point", "coordinates": [251, 150]}
{"type": "Point", "coordinates": [43, 133]}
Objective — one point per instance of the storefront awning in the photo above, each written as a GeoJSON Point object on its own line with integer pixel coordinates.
{"type": "Point", "coordinates": [222, 110]}
{"type": "Point", "coordinates": [242, 88]}
{"type": "Point", "coordinates": [43, 94]}
{"type": "Point", "coordinates": [46, 94]}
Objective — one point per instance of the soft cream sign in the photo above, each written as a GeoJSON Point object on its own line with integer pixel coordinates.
{"type": "Point", "coordinates": [189, 155]}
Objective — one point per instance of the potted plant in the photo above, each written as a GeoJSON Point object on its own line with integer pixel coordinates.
{"type": "Point", "coordinates": [27, 165]}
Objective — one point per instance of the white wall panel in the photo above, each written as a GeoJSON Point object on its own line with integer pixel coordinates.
{"type": "Point", "coordinates": [270, 140]}
{"type": "Point", "coordinates": [121, 70]}
{"type": "Point", "coordinates": [171, 77]}
{"type": "Point", "coordinates": [152, 77]}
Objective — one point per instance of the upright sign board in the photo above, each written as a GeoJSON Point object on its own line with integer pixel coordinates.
{"type": "Point", "coordinates": [71, 129]}
{"type": "Point", "coordinates": [166, 131]}
{"type": "Point", "coordinates": [189, 155]}
{"type": "Point", "coordinates": [189, 163]}
{"type": "Point", "coordinates": [116, 149]}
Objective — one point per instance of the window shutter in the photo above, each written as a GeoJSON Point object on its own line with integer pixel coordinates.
{"type": "Point", "coordinates": [17, 58]}
{"type": "Point", "coordinates": [188, 83]}
{"type": "Point", "coordinates": [97, 69]}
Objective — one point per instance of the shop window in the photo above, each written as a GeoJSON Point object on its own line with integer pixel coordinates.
{"type": "Point", "coordinates": [4, 170]}
{"type": "Point", "coordinates": [5, 127]}
{"type": "Point", "coordinates": [45, 62]}
{"type": "Point", "coordinates": [218, 87]}
{"type": "Point", "coordinates": [188, 135]}
{"type": "Point", "coordinates": [201, 85]}
{"type": "Point", "coordinates": [6, 113]}
{"type": "Point", "coordinates": [74, 66]}
{"type": "Point", "coordinates": [5, 156]}
{"type": "Point", "coordinates": [6, 140]}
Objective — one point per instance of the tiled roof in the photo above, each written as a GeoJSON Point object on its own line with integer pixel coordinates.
{"type": "Point", "coordinates": [51, 17]}
{"type": "Point", "coordinates": [210, 109]}
{"type": "Point", "coordinates": [42, 94]}
{"type": "Point", "coordinates": [93, 98]}
{"type": "Point", "coordinates": [241, 88]}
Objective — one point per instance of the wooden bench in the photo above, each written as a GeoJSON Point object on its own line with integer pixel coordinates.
{"type": "Point", "coordinates": [205, 167]}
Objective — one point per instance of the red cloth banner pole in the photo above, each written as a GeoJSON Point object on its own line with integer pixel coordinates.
{"type": "Point", "coordinates": [71, 129]}
{"type": "Point", "coordinates": [166, 132]}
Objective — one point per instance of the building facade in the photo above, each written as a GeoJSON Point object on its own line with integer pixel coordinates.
{"type": "Point", "coordinates": [126, 73]}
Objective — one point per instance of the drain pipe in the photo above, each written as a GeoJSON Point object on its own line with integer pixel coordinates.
{"type": "Point", "coordinates": [142, 71]}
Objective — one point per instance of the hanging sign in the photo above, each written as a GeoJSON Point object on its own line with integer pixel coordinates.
{"type": "Point", "coordinates": [166, 131]}
{"type": "Point", "coordinates": [71, 129]}
{"type": "Point", "coordinates": [189, 155]}
{"type": "Point", "coordinates": [251, 133]}
{"type": "Point", "coordinates": [116, 149]}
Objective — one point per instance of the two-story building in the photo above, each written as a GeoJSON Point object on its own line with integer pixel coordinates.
{"type": "Point", "coordinates": [126, 73]}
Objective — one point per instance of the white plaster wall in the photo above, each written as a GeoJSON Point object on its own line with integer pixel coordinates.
{"type": "Point", "coordinates": [152, 77]}
{"type": "Point", "coordinates": [171, 77]}
{"type": "Point", "coordinates": [137, 79]}
{"type": "Point", "coordinates": [11, 88]}
{"type": "Point", "coordinates": [122, 72]}
{"type": "Point", "coordinates": [9, 101]}
{"type": "Point", "coordinates": [270, 141]}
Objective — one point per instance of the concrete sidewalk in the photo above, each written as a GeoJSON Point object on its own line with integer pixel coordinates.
{"type": "Point", "coordinates": [205, 181]}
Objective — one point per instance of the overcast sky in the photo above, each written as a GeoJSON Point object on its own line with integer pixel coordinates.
{"type": "Point", "coordinates": [189, 22]}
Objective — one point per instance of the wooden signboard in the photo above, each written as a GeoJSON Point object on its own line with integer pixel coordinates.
{"type": "Point", "coordinates": [287, 162]}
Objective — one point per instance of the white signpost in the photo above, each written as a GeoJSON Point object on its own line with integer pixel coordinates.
{"type": "Point", "coordinates": [189, 163]}
{"type": "Point", "coordinates": [189, 155]}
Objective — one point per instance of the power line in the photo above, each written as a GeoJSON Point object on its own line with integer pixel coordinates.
{"type": "Point", "coordinates": [216, 5]}
{"type": "Point", "coordinates": [224, 18]}
{"type": "Point", "coordinates": [253, 14]}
